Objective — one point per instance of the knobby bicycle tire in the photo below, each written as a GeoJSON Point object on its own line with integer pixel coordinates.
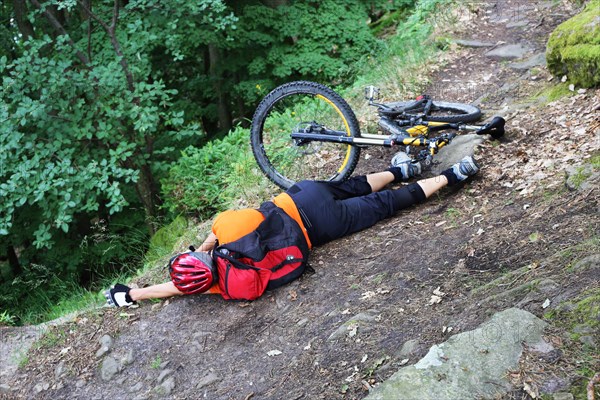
{"type": "Point", "coordinates": [444, 111]}
{"type": "Point", "coordinates": [292, 106]}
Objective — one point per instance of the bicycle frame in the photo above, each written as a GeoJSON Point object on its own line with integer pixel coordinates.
{"type": "Point", "coordinates": [413, 136]}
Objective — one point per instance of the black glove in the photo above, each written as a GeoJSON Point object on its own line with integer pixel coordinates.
{"type": "Point", "coordinates": [118, 296]}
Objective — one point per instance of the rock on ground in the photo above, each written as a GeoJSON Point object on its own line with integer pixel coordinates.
{"type": "Point", "coordinates": [473, 43]}
{"type": "Point", "coordinates": [537, 60]}
{"type": "Point", "coordinates": [508, 52]}
{"type": "Point", "coordinates": [470, 365]}
{"type": "Point", "coordinates": [574, 48]}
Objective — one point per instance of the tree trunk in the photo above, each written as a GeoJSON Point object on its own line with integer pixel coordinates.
{"type": "Point", "coordinates": [25, 27]}
{"type": "Point", "coordinates": [224, 113]}
{"type": "Point", "coordinates": [148, 194]}
{"type": "Point", "coordinates": [13, 261]}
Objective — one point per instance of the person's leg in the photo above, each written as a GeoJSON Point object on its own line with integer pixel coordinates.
{"type": "Point", "coordinates": [358, 213]}
{"type": "Point", "coordinates": [379, 180]}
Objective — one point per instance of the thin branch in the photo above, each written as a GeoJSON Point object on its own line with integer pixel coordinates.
{"type": "Point", "coordinates": [60, 29]}
{"type": "Point", "coordinates": [110, 30]}
{"type": "Point", "coordinates": [113, 25]}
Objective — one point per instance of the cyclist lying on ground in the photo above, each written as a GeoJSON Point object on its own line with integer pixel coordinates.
{"type": "Point", "coordinates": [323, 211]}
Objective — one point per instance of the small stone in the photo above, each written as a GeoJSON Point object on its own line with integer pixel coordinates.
{"type": "Point", "coordinates": [164, 364]}
{"type": "Point", "coordinates": [59, 370]}
{"type": "Point", "coordinates": [507, 52]}
{"type": "Point", "coordinates": [409, 348]}
{"type": "Point", "coordinates": [364, 320]}
{"type": "Point", "coordinates": [562, 396]}
{"type": "Point", "coordinates": [168, 385]}
{"type": "Point", "coordinates": [121, 380]}
{"type": "Point", "coordinates": [583, 328]}
{"type": "Point", "coordinates": [163, 374]}
{"type": "Point", "coordinates": [588, 341]}
{"type": "Point", "coordinates": [208, 380]}
{"type": "Point", "coordinates": [110, 367]}
{"type": "Point", "coordinates": [40, 387]}
{"type": "Point", "coordinates": [127, 358]}
{"type": "Point", "coordinates": [4, 388]}
{"type": "Point", "coordinates": [80, 383]}
{"type": "Point", "coordinates": [535, 61]}
{"type": "Point", "coordinates": [136, 388]}
{"type": "Point", "coordinates": [106, 343]}
{"type": "Point", "coordinates": [473, 43]}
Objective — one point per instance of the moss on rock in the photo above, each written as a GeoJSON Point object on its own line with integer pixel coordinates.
{"type": "Point", "coordinates": [574, 47]}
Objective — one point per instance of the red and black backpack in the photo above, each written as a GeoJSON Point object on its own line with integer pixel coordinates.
{"type": "Point", "coordinates": [272, 255]}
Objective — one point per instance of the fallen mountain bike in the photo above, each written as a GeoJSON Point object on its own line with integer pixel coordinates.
{"type": "Point", "coordinates": [305, 130]}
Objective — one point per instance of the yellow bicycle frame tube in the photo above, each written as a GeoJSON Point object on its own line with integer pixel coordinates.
{"type": "Point", "coordinates": [419, 130]}
{"type": "Point", "coordinates": [347, 129]}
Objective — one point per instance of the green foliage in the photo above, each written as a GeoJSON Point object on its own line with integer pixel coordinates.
{"type": "Point", "coordinates": [397, 67]}
{"type": "Point", "coordinates": [7, 319]}
{"type": "Point", "coordinates": [156, 362]}
{"type": "Point", "coordinates": [163, 241]}
{"type": "Point", "coordinates": [208, 179]}
{"type": "Point", "coordinates": [90, 128]}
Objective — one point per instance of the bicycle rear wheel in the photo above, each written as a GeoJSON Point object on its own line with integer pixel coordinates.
{"type": "Point", "coordinates": [289, 108]}
{"type": "Point", "coordinates": [441, 111]}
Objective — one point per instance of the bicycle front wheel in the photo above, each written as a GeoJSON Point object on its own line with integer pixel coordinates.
{"type": "Point", "coordinates": [442, 111]}
{"type": "Point", "coordinates": [290, 108]}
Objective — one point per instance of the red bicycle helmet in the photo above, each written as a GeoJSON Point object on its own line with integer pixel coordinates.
{"type": "Point", "coordinates": [192, 272]}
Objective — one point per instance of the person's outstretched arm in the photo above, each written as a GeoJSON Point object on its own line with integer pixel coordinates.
{"type": "Point", "coordinates": [160, 291]}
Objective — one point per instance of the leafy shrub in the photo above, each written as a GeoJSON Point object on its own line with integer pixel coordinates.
{"type": "Point", "coordinates": [209, 179]}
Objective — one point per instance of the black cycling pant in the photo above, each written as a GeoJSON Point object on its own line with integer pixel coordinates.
{"type": "Point", "coordinates": [331, 210]}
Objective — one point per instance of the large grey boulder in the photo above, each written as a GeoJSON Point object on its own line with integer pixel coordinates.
{"type": "Point", "coordinates": [470, 365]}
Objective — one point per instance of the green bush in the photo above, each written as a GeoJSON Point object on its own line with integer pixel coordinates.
{"type": "Point", "coordinates": [212, 178]}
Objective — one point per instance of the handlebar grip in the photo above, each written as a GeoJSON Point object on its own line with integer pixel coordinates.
{"type": "Point", "coordinates": [494, 128]}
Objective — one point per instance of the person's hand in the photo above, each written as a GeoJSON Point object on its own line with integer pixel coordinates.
{"type": "Point", "coordinates": [118, 296]}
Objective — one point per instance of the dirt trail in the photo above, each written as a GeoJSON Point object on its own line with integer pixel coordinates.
{"type": "Point", "coordinates": [365, 312]}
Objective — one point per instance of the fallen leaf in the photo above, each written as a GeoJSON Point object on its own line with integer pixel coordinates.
{"type": "Point", "coordinates": [352, 329]}
{"type": "Point", "coordinates": [530, 391]}
{"type": "Point", "coordinates": [403, 362]}
{"type": "Point", "coordinates": [480, 232]}
{"type": "Point", "coordinates": [546, 303]}
{"type": "Point", "coordinates": [273, 353]}
{"type": "Point", "coordinates": [435, 300]}
{"type": "Point", "coordinates": [365, 357]}
{"type": "Point", "coordinates": [65, 350]}
{"type": "Point", "coordinates": [293, 295]}
{"type": "Point", "coordinates": [367, 295]}
{"type": "Point", "coordinates": [438, 292]}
